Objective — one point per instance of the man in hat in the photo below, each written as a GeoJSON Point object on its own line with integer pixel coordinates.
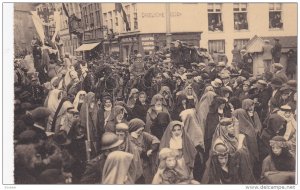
{"type": "Point", "coordinates": [236, 55]}
{"type": "Point", "coordinates": [276, 51]}
{"type": "Point", "coordinates": [291, 68]}
{"type": "Point", "coordinates": [263, 97]}
{"type": "Point", "coordinates": [213, 73]}
{"type": "Point", "coordinates": [93, 172]}
{"type": "Point", "coordinates": [217, 84]}
{"type": "Point", "coordinates": [280, 73]}
{"type": "Point", "coordinates": [40, 117]}
{"type": "Point", "coordinates": [225, 77]}
{"type": "Point", "coordinates": [282, 99]}
{"type": "Point", "coordinates": [276, 84]}
{"type": "Point", "coordinates": [267, 55]}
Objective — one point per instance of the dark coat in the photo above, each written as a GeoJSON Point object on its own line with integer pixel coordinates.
{"type": "Point", "coordinates": [212, 120]}
{"type": "Point", "coordinates": [139, 111]}
{"type": "Point", "coordinates": [291, 64]}
{"type": "Point", "coordinates": [93, 171]}
{"type": "Point", "coordinates": [282, 76]}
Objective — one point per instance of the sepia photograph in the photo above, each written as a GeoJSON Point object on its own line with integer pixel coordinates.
{"type": "Point", "coordinates": [194, 93]}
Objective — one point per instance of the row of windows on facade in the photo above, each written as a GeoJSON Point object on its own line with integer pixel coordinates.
{"type": "Point", "coordinates": [219, 45]}
{"type": "Point", "coordinates": [215, 22]}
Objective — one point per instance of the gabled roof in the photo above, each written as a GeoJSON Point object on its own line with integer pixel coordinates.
{"type": "Point", "coordinates": [256, 43]}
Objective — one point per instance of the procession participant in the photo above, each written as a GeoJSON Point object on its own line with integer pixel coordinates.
{"type": "Point", "coordinates": [276, 84]}
{"type": "Point", "coordinates": [226, 93]}
{"type": "Point", "coordinates": [51, 102]}
{"type": "Point", "coordinates": [79, 99]}
{"type": "Point", "coordinates": [283, 97]}
{"type": "Point", "coordinates": [226, 133]}
{"type": "Point", "coordinates": [180, 105]}
{"type": "Point", "coordinates": [215, 114]}
{"type": "Point", "coordinates": [122, 131]}
{"type": "Point", "coordinates": [176, 138]}
{"type": "Point", "coordinates": [137, 68]}
{"type": "Point", "coordinates": [276, 51]}
{"type": "Point", "coordinates": [40, 116]}
{"type": "Point", "coordinates": [116, 116]}
{"type": "Point", "coordinates": [132, 98]}
{"type": "Point", "coordinates": [263, 96]}
{"type": "Point", "coordinates": [212, 72]}
{"type": "Point", "coordinates": [245, 91]}
{"type": "Point", "coordinates": [68, 119]}
{"type": "Point", "coordinates": [279, 166]}
{"type": "Point", "coordinates": [160, 124]}
{"type": "Point", "coordinates": [94, 168]}
{"type": "Point", "coordinates": [267, 55]}
{"type": "Point", "coordinates": [60, 113]}
{"type": "Point", "coordinates": [88, 119]}
{"type": "Point", "coordinates": [158, 104]}
{"type": "Point", "coordinates": [147, 146]}
{"type": "Point", "coordinates": [165, 91]}
{"type": "Point", "coordinates": [280, 73]}
{"type": "Point", "coordinates": [141, 107]}
{"type": "Point", "coordinates": [291, 68]}
{"type": "Point", "coordinates": [116, 169]}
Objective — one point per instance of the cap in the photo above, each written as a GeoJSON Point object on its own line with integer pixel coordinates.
{"type": "Point", "coordinates": [246, 83]}
{"type": "Point", "coordinates": [122, 127]}
{"type": "Point", "coordinates": [276, 82]}
{"type": "Point", "coordinates": [216, 83]}
{"type": "Point", "coordinates": [278, 141]}
{"type": "Point", "coordinates": [40, 113]}
{"type": "Point", "coordinates": [262, 82]}
{"type": "Point", "coordinates": [201, 65]}
{"type": "Point", "coordinates": [135, 124]}
{"type": "Point", "coordinates": [226, 121]}
{"type": "Point", "coordinates": [285, 90]}
{"type": "Point", "coordinates": [211, 63]}
{"type": "Point", "coordinates": [224, 75]}
{"type": "Point", "coordinates": [221, 64]}
{"type": "Point", "coordinates": [286, 108]}
{"type": "Point", "coordinates": [243, 50]}
{"type": "Point", "coordinates": [110, 140]}
{"type": "Point", "coordinates": [194, 64]}
{"type": "Point", "coordinates": [292, 84]}
{"type": "Point", "coordinates": [278, 66]}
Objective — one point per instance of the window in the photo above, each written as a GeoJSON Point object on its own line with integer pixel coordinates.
{"type": "Point", "coordinates": [215, 17]}
{"type": "Point", "coordinates": [241, 43]}
{"type": "Point", "coordinates": [135, 18]}
{"type": "Point", "coordinates": [275, 21]}
{"type": "Point", "coordinates": [216, 46]}
{"type": "Point", "coordinates": [116, 18]}
{"type": "Point", "coordinates": [110, 20]}
{"type": "Point", "coordinates": [92, 20]}
{"type": "Point", "coordinates": [240, 16]}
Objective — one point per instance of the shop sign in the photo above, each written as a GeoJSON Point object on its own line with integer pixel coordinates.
{"type": "Point", "coordinates": [148, 47]}
{"type": "Point", "coordinates": [148, 43]}
{"type": "Point", "coordinates": [160, 14]}
{"type": "Point", "coordinates": [129, 39]}
{"type": "Point", "coordinates": [147, 38]}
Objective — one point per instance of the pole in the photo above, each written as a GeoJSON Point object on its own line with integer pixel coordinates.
{"type": "Point", "coordinates": [88, 141]}
{"type": "Point", "coordinates": [168, 26]}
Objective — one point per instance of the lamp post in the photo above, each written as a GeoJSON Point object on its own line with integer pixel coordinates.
{"type": "Point", "coordinates": [168, 26]}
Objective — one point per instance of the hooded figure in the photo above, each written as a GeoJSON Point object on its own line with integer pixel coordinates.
{"type": "Point", "coordinates": [51, 103]}
{"type": "Point", "coordinates": [249, 126]}
{"type": "Point", "coordinates": [88, 118]}
{"type": "Point", "coordinates": [79, 99]}
{"type": "Point", "coordinates": [141, 107]}
{"type": "Point", "coordinates": [158, 104]}
{"type": "Point", "coordinates": [132, 99]}
{"type": "Point", "coordinates": [181, 105]}
{"type": "Point", "coordinates": [116, 169]}
{"type": "Point", "coordinates": [160, 124]}
{"type": "Point", "coordinates": [179, 140]}
{"type": "Point", "coordinates": [202, 107]}
{"type": "Point", "coordinates": [117, 116]}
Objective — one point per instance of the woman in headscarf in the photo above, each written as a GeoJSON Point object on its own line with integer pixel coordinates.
{"type": "Point", "coordinates": [192, 99]}
{"type": "Point", "coordinates": [79, 99]}
{"type": "Point", "coordinates": [51, 103]}
{"type": "Point", "coordinates": [202, 107]}
{"type": "Point", "coordinates": [133, 96]}
{"type": "Point", "coordinates": [191, 126]}
{"type": "Point", "coordinates": [116, 169]}
{"type": "Point", "coordinates": [88, 118]}
{"type": "Point", "coordinates": [158, 104]}
{"type": "Point", "coordinates": [122, 131]}
{"type": "Point", "coordinates": [168, 98]}
{"type": "Point", "coordinates": [117, 116]}
{"type": "Point", "coordinates": [176, 138]}
{"type": "Point", "coordinates": [59, 114]}
{"type": "Point", "coordinates": [180, 105]}
{"type": "Point", "coordinates": [141, 107]}
{"type": "Point", "coordinates": [226, 92]}
{"type": "Point", "coordinates": [160, 124]}
{"type": "Point", "coordinates": [249, 129]}
{"type": "Point", "coordinates": [147, 146]}
{"type": "Point", "coordinates": [226, 133]}
{"type": "Point", "coordinates": [279, 167]}
{"type": "Point", "coordinates": [216, 113]}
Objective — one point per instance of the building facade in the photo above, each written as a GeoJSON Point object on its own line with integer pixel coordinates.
{"type": "Point", "coordinates": [215, 26]}
{"type": "Point", "coordinates": [24, 29]}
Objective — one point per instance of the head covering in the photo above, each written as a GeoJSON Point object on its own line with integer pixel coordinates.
{"type": "Point", "coordinates": [191, 126]}
{"type": "Point", "coordinates": [28, 137]}
{"type": "Point", "coordinates": [135, 124]}
{"type": "Point", "coordinates": [116, 168]}
{"type": "Point", "coordinates": [247, 103]}
{"type": "Point", "coordinates": [221, 64]}
{"type": "Point", "coordinates": [110, 140]}
{"type": "Point", "coordinates": [216, 83]}
{"type": "Point", "coordinates": [201, 64]}
{"type": "Point", "coordinates": [276, 82]}
{"type": "Point", "coordinates": [40, 113]}
{"type": "Point", "coordinates": [130, 101]}
{"type": "Point", "coordinates": [292, 84]}
{"type": "Point", "coordinates": [285, 90]}
{"type": "Point", "coordinates": [278, 141]}
{"type": "Point", "coordinates": [188, 148]}
{"type": "Point", "coordinates": [157, 97]}
{"type": "Point", "coordinates": [285, 108]}
{"type": "Point", "coordinates": [76, 100]}
{"type": "Point", "coordinates": [278, 66]}
{"type": "Point", "coordinates": [53, 100]}
{"type": "Point", "coordinates": [262, 82]}
{"type": "Point", "coordinates": [61, 138]}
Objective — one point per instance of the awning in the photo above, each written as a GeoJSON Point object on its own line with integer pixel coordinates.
{"type": "Point", "coordinates": [87, 47]}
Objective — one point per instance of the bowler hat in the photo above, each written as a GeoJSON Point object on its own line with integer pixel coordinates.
{"type": "Point", "coordinates": [110, 140]}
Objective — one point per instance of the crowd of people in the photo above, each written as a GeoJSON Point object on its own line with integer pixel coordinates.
{"type": "Point", "coordinates": [160, 120]}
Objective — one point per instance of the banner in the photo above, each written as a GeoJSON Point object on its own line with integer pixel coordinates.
{"type": "Point", "coordinates": [38, 26]}
{"type": "Point", "coordinates": [57, 24]}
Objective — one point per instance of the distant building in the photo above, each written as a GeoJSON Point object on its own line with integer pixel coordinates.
{"type": "Point", "coordinates": [24, 29]}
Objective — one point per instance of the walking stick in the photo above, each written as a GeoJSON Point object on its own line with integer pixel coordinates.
{"type": "Point", "coordinates": [88, 141]}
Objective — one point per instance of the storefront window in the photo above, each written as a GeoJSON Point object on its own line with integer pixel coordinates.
{"type": "Point", "coordinates": [216, 46]}
{"type": "Point", "coordinates": [215, 17]}
{"type": "Point", "coordinates": [240, 16]}
{"type": "Point", "coordinates": [275, 13]}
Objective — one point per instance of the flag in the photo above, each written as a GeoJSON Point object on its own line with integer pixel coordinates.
{"type": "Point", "coordinates": [120, 9]}
{"type": "Point", "coordinates": [38, 25]}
